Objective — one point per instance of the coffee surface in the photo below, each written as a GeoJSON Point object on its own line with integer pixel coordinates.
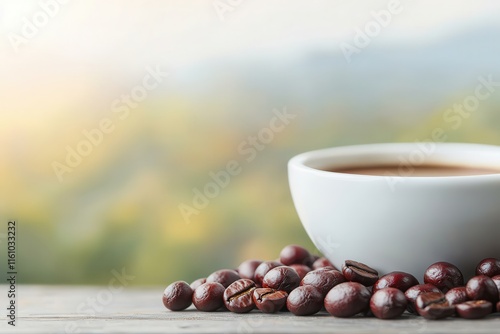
{"type": "Point", "coordinates": [417, 170]}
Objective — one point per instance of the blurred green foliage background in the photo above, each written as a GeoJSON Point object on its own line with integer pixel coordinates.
{"type": "Point", "coordinates": [119, 207]}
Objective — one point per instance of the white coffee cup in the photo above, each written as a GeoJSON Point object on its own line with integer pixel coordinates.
{"type": "Point", "coordinates": [400, 222]}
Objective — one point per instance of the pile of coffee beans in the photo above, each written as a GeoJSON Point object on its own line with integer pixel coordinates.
{"type": "Point", "coordinates": [304, 284]}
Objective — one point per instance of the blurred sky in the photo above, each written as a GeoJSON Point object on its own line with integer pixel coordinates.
{"type": "Point", "coordinates": [119, 207]}
{"type": "Point", "coordinates": [182, 32]}
{"type": "Point", "coordinates": [111, 42]}
{"type": "Point", "coordinates": [96, 40]}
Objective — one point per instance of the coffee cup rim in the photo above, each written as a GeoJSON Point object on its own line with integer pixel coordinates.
{"type": "Point", "coordinates": [412, 154]}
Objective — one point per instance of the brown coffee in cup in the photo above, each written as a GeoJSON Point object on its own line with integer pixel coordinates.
{"type": "Point", "coordinates": [423, 170]}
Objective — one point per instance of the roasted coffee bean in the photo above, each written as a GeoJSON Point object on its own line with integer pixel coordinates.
{"type": "Point", "coordinates": [413, 293]}
{"type": "Point", "coordinates": [263, 269]}
{"type": "Point", "coordinates": [489, 267]}
{"type": "Point", "coordinates": [269, 300]}
{"type": "Point", "coordinates": [328, 268]}
{"type": "Point", "coordinates": [323, 279]}
{"type": "Point", "coordinates": [294, 254]}
{"type": "Point", "coordinates": [388, 303]}
{"type": "Point", "coordinates": [474, 309]}
{"type": "Point", "coordinates": [224, 277]}
{"type": "Point", "coordinates": [396, 279]}
{"type": "Point", "coordinates": [433, 306]}
{"type": "Point", "coordinates": [321, 263]}
{"type": "Point", "coordinates": [247, 268]}
{"type": "Point", "coordinates": [238, 296]}
{"type": "Point", "coordinates": [496, 280]}
{"type": "Point", "coordinates": [281, 278]}
{"type": "Point", "coordinates": [347, 299]}
{"type": "Point", "coordinates": [304, 300]}
{"type": "Point", "coordinates": [177, 296]}
{"type": "Point", "coordinates": [301, 269]}
{"type": "Point", "coordinates": [208, 297]}
{"type": "Point", "coordinates": [197, 283]}
{"type": "Point", "coordinates": [482, 288]}
{"type": "Point", "coordinates": [444, 276]}
{"type": "Point", "coordinates": [457, 295]}
{"type": "Point", "coordinates": [359, 272]}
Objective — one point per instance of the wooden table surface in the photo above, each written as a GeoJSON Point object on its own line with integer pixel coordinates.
{"type": "Point", "coordinates": [77, 309]}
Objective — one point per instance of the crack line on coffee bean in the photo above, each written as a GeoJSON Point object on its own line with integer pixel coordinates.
{"type": "Point", "coordinates": [263, 296]}
{"type": "Point", "coordinates": [241, 293]}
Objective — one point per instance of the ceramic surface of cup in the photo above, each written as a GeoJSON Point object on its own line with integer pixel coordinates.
{"type": "Point", "coordinates": [400, 221]}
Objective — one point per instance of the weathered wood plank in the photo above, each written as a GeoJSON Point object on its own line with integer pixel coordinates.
{"type": "Point", "coordinates": [66, 309]}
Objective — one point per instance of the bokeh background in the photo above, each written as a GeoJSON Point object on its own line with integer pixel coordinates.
{"type": "Point", "coordinates": [230, 64]}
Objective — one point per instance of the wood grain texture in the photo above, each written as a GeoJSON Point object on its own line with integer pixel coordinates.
{"type": "Point", "coordinates": [68, 309]}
